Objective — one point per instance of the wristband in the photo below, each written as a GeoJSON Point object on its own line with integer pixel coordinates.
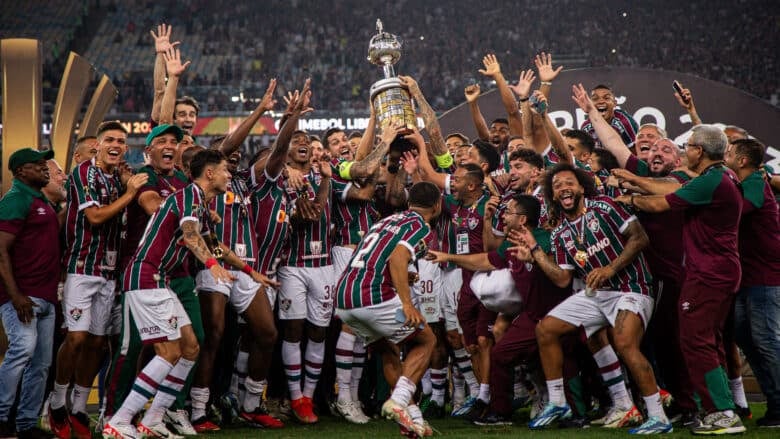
{"type": "Point", "coordinates": [444, 161]}
{"type": "Point", "coordinates": [344, 168]}
{"type": "Point", "coordinates": [535, 248]}
{"type": "Point", "coordinates": [545, 82]}
{"type": "Point", "coordinates": [523, 99]}
{"type": "Point", "coordinates": [632, 201]}
{"type": "Point", "coordinates": [246, 269]}
{"type": "Point", "coordinates": [210, 262]}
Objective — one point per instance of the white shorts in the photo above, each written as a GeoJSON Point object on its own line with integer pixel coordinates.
{"type": "Point", "coordinates": [87, 302]}
{"type": "Point", "coordinates": [306, 293]}
{"type": "Point", "coordinates": [241, 291]}
{"type": "Point", "coordinates": [115, 322]}
{"type": "Point", "coordinates": [157, 313]}
{"type": "Point", "coordinates": [594, 313]}
{"type": "Point", "coordinates": [340, 257]}
{"type": "Point", "coordinates": [451, 281]}
{"type": "Point", "coordinates": [426, 292]}
{"type": "Point", "coordinates": [376, 322]}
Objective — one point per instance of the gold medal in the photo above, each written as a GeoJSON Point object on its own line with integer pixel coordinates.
{"type": "Point", "coordinates": [581, 257]}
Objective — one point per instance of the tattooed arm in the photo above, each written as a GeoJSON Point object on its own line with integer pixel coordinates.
{"type": "Point", "coordinates": [428, 115]}
{"type": "Point", "coordinates": [366, 167]}
{"type": "Point", "coordinates": [197, 245]}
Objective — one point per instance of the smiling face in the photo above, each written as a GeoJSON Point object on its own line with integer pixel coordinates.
{"type": "Point", "coordinates": [499, 132]}
{"type": "Point", "coordinates": [663, 157]}
{"type": "Point", "coordinates": [511, 216]}
{"type": "Point", "coordinates": [57, 179]}
{"type": "Point", "coordinates": [462, 184]}
{"type": "Point", "coordinates": [645, 138]}
{"type": "Point", "coordinates": [185, 116]}
{"type": "Point", "coordinates": [339, 145]}
{"type": "Point", "coordinates": [453, 143]}
{"type": "Point", "coordinates": [604, 101]}
{"type": "Point", "coordinates": [300, 149]}
{"type": "Point", "coordinates": [521, 174]}
{"type": "Point", "coordinates": [162, 152]}
{"type": "Point", "coordinates": [567, 192]}
{"type": "Point", "coordinates": [112, 145]}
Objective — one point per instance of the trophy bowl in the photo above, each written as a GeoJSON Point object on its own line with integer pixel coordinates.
{"type": "Point", "coordinates": [384, 49]}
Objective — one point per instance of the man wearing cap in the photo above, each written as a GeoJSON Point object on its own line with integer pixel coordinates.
{"type": "Point", "coordinates": [92, 239]}
{"type": "Point", "coordinates": [29, 271]}
{"type": "Point", "coordinates": [163, 180]}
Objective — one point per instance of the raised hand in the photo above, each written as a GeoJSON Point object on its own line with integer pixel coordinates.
{"type": "Point", "coordinates": [686, 100]}
{"type": "Point", "coordinates": [472, 92]}
{"type": "Point", "coordinates": [492, 67]}
{"type": "Point", "coordinates": [392, 130]}
{"type": "Point", "coordinates": [543, 63]}
{"type": "Point", "coordinates": [173, 64]}
{"type": "Point", "coordinates": [523, 87]}
{"type": "Point", "coordinates": [410, 84]}
{"type": "Point", "coordinates": [162, 39]}
{"type": "Point", "coordinates": [540, 107]}
{"type": "Point", "coordinates": [581, 98]}
{"type": "Point", "coordinates": [409, 162]}
{"type": "Point", "coordinates": [268, 102]}
{"type": "Point", "coordinates": [521, 236]}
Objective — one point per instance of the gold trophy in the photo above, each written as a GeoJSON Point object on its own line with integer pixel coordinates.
{"type": "Point", "coordinates": [390, 100]}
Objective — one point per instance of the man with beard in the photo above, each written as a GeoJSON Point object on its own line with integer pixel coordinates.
{"type": "Point", "coordinates": [538, 293]}
{"type": "Point", "coordinates": [55, 190]}
{"type": "Point", "coordinates": [711, 204]}
{"type": "Point", "coordinates": [599, 242]}
{"type": "Point", "coordinates": [29, 272]}
{"type": "Point", "coordinates": [245, 293]}
{"type": "Point", "coordinates": [604, 102]}
{"type": "Point", "coordinates": [92, 241]}
{"type": "Point", "coordinates": [646, 137]}
{"type": "Point", "coordinates": [756, 323]}
{"type": "Point", "coordinates": [175, 231]}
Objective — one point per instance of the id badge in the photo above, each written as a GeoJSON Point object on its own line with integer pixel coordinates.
{"type": "Point", "coordinates": [241, 251]}
{"type": "Point", "coordinates": [462, 243]}
{"type": "Point", "coordinates": [110, 259]}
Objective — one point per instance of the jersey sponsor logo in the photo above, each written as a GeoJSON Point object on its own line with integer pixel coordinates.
{"type": "Point", "coordinates": [164, 192]}
{"type": "Point", "coordinates": [150, 330]}
{"type": "Point", "coordinates": [686, 306]}
{"type": "Point", "coordinates": [599, 246]}
{"type": "Point", "coordinates": [41, 211]}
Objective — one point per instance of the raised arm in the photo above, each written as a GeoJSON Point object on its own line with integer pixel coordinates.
{"type": "Point", "coordinates": [424, 167]}
{"type": "Point", "coordinates": [609, 137]}
{"type": "Point", "coordinates": [438, 148]}
{"type": "Point", "coordinates": [367, 141]}
{"type": "Point", "coordinates": [175, 68]}
{"type": "Point", "coordinates": [366, 167]}
{"type": "Point", "coordinates": [281, 146]}
{"type": "Point", "coordinates": [493, 70]}
{"type": "Point", "coordinates": [235, 138]}
{"type": "Point", "coordinates": [556, 139]}
{"type": "Point", "coordinates": [472, 95]}
{"type": "Point", "coordinates": [686, 101]}
{"type": "Point", "coordinates": [161, 45]}
{"type": "Point", "coordinates": [547, 74]}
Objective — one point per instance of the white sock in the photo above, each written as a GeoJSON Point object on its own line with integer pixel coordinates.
{"type": "Point", "coordinates": [403, 392]}
{"type": "Point", "coordinates": [612, 375]}
{"type": "Point", "coordinates": [484, 392]}
{"type": "Point", "coordinates": [415, 413]}
{"type": "Point", "coordinates": [654, 406]}
{"type": "Point", "coordinates": [438, 385]}
{"type": "Point", "coordinates": [58, 394]}
{"type": "Point", "coordinates": [79, 399]}
{"type": "Point", "coordinates": [738, 392]}
{"type": "Point", "coordinates": [555, 392]}
{"type": "Point", "coordinates": [463, 360]}
{"type": "Point", "coordinates": [315, 354]}
{"type": "Point", "coordinates": [167, 391]}
{"type": "Point", "coordinates": [458, 385]}
{"type": "Point", "coordinates": [344, 347]}
{"type": "Point", "coordinates": [240, 368]}
{"type": "Point", "coordinates": [254, 393]}
{"type": "Point", "coordinates": [291, 358]}
{"type": "Point", "coordinates": [425, 383]}
{"type": "Point", "coordinates": [144, 387]}
{"type": "Point", "coordinates": [358, 359]}
{"type": "Point", "coordinates": [200, 398]}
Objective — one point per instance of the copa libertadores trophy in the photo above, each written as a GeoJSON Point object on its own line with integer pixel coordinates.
{"type": "Point", "coordinates": [390, 100]}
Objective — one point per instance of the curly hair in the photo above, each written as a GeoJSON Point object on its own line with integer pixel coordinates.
{"type": "Point", "coordinates": [583, 178]}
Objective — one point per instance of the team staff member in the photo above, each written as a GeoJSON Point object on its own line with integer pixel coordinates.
{"type": "Point", "coordinates": [92, 239]}
{"type": "Point", "coordinates": [712, 205]}
{"type": "Point", "coordinates": [29, 272]}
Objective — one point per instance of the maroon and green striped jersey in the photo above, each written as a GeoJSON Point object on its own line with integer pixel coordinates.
{"type": "Point", "coordinates": [161, 250]}
{"type": "Point", "coordinates": [309, 243]}
{"type": "Point", "coordinates": [621, 122]}
{"type": "Point", "coordinates": [271, 221]}
{"type": "Point", "coordinates": [91, 249]}
{"type": "Point", "coordinates": [162, 185]}
{"type": "Point", "coordinates": [236, 228]}
{"type": "Point", "coordinates": [351, 218]}
{"type": "Point", "coordinates": [599, 233]}
{"type": "Point", "coordinates": [366, 280]}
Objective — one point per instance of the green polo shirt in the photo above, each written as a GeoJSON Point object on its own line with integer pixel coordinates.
{"type": "Point", "coordinates": [35, 254]}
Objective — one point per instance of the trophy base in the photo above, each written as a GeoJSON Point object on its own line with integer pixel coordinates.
{"type": "Point", "coordinates": [392, 103]}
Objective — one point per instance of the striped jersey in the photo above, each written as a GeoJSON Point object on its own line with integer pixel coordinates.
{"type": "Point", "coordinates": [621, 122]}
{"type": "Point", "coordinates": [366, 280]}
{"type": "Point", "coordinates": [162, 185]}
{"type": "Point", "coordinates": [236, 229]}
{"type": "Point", "coordinates": [309, 243]}
{"type": "Point", "coordinates": [271, 222]}
{"type": "Point", "coordinates": [599, 233]}
{"type": "Point", "coordinates": [161, 250]}
{"type": "Point", "coordinates": [351, 218]}
{"type": "Point", "coordinates": [91, 250]}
